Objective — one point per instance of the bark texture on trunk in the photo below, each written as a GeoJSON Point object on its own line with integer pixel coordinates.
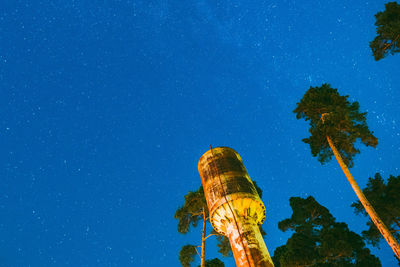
{"type": "Point", "coordinates": [203, 241]}
{"type": "Point", "coordinates": [368, 207]}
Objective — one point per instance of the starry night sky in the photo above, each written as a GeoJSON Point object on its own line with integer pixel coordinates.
{"type": "Point", "coordinates": [106, 107]}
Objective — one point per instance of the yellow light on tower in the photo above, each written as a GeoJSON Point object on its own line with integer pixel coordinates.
{"type": "Point", "coordinates": [236, 210]}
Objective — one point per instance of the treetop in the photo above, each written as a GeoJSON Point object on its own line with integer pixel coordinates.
{"type": "Point", "coordinates": [388, 30]}
{"type": "Point", "coordinates": [343, 123]}
{"type": "Point", "coordinates": [192, 210]}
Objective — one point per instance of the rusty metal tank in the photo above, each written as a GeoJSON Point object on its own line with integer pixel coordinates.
{"type": "Point", "coordinates": [236, 210]}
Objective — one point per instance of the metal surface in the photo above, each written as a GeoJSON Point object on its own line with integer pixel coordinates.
{"type": "Point", "coordinates": [235, 208]}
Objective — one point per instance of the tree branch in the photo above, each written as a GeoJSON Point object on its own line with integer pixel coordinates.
{"type": "Point", "coordinates": [210, 235]}
{"type": "Point", "coordinates": [391, 43]}
{"type": "Point", "coordinates": [197, 251]}
{"type": "Point", "coordinates": [397, 222]}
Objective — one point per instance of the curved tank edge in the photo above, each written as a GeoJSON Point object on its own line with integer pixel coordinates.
{"type": "Point", "coordinates": [217, 148]}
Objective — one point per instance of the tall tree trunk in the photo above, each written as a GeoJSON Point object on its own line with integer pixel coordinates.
{"type": "Point", "coordinates": [370, 210]}
{"type": "Point", "coordinates": [203, 241]}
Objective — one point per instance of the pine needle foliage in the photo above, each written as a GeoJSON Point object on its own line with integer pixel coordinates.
{"type": "Point", "coordinates": [214, 263]}
{"type": "Point", "coordinates": [186, 255]}
{"type": "Point", "coordinates": [343, 123]}
{"type": "Point", "coordinates": [319, 241]}
{"type": "Point", "coordinates": [385, 197]}
{"type": "Point", "coordinates": [191, 211]}
{"type": "Point", "coordinates": [388, 29]}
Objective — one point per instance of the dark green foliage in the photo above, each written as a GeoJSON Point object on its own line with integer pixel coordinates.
{"type": "Point", "coordinates": [214, 263]}
{"type": "Point", "coordinates": [343, 123]}
{"type": "Point", "coordinates": [189, 215]}
{"type": "Point", "coordinates": [388, 30]}
{"type": "Point", "coordinates": [186, 255]}
{"type": "Point", "coordinates": [279, 253]}
{"type": "Point", "coordinates": [306, 212]}
{"type": "Point", "coordinates": [318, 240]}
{"type": "Point", "coordinates": [191, 211]}
{"type": "Point", "coordinates": [385, 198]}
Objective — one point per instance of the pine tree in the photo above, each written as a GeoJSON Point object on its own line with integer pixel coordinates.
{"type": "Point", "coordinates": [318, 240]}
{"type": "Point", "coordinates": [193, 210]}
{"type": "Point", "coordinates": [335, 125]}
{"type": "Point", "coordinates": [385, 197]}
{"type": "Point", "coordinates": [388, 30]}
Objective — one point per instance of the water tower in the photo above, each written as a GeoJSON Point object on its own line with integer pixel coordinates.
{"type": "Point", "coordinates": [236, 210]}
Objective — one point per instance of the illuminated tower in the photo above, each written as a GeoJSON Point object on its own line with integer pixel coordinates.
{"type": "Point", "coordinates": [236, 210]}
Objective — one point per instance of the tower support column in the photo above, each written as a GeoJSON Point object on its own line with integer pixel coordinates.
{"type": "Point", "coordinates": [247, 243]}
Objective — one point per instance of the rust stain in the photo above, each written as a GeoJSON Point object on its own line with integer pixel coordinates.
{"type": "Point", "coordinates": [235, 208]}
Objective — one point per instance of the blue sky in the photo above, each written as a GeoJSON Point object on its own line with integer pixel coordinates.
{"type": "Point", "coordinates": [108, 105]}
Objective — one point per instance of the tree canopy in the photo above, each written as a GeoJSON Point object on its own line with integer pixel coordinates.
{"type": "Point", "coordinates": [214, 263]}
{"type": "Point", "coordinates": [186, 255]}
{"type": "Point", "coordinates": [189, 215]}
{"type": "Point", "coordinates": [385, 197]}
{"type": "Point", "coordinates": [388, 30]}
{"type": "Point", "coordinates": [191, 211]}
{"type": "Point", "coordinates": [343, 123]}
{"type": "Point", "coordinates": [318, 240]}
